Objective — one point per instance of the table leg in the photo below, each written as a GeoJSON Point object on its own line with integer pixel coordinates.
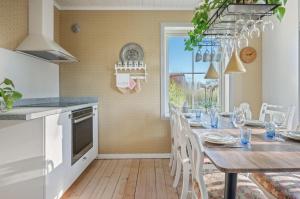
{"type": "Point", "coordinates": [230, 185]}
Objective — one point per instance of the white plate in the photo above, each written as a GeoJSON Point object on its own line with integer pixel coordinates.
{"type": "Point", "coordinates": [289, 135]}
{"type": "Point", "coordinates": [195, 124]}
{"type": "Point", "coordinates": [226, 114]}
{"type": "Point", "coordinates": [294, 133]}
{"type": "Point", "coordinates": [255, 123]}
{"type": "Point", "coordinates": [188, 115]}
{"type": "Point", "coordinates": [219, 138]}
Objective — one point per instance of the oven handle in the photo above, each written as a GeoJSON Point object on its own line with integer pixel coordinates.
{"type": "Point", "coordinates": [82, 119]}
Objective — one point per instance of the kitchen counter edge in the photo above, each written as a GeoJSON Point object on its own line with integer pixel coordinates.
{"type": "Point", "coordinates": [31, 113]}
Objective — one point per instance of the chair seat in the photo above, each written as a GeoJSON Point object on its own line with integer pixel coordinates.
{"type": "Point", "coordinates": [215, 183]}
{"type": "Point", "coordinates": [280, 185]}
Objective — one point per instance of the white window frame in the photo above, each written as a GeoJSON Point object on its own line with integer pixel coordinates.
{"type": "Point", "coordinates": [178, 29]}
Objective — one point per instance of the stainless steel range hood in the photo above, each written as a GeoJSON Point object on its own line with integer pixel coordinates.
{"type": "Point", "coordinates": [39, 43]}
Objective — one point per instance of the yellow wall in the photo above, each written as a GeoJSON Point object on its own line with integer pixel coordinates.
{"type": "Point", "coordinates": [56, 24]}
{"type": "Point", "coordinates": [13, 22]}
{"type": "Point", "coordinates": [131, 123]}
{"type": "Point", "coordinates": [247, 87]}
{"type": "Point", "coordinates": [128, 123]}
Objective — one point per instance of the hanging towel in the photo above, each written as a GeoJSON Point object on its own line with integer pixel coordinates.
{"type": "Point", "coordinates": [123, 80]}
{"type": "Point", "coordinates": [132, 84]}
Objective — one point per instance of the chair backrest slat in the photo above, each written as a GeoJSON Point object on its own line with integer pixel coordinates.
{"type": "Point", "coordinates": [196, 156]}
{"type": "Point", "coordinates": [269, 111]}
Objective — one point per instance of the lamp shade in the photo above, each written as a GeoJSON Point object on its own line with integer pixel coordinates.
{"type": "Point", "coordinates": [211, 72]}
{"type": "Point", "coordinates": [235, 64]}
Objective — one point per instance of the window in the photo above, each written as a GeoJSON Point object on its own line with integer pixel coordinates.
{"type": "Point", "coordinates": [182, 78]}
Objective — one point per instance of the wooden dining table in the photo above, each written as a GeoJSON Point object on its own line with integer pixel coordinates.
{"type": "Point", "coordinates": [262, 155]}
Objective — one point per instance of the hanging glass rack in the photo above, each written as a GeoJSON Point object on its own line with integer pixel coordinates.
{"type": "Point", "coordinates": [222, 20]}
{"type": "Point", "coordinates": [209, 42]}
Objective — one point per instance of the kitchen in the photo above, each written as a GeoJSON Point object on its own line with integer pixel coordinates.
{"type": "Point", "coordinates": [124, 124]}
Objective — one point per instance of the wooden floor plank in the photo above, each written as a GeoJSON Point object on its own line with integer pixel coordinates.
{"type": "Point", "coordinates": [150, 179]}
{"type": "Point", "coordinates": [103, 182]}
{"type": "Point", "coordinates": [79, 185]}
{"type": "Point", "coordinates": [113, 181]}
{"type": "Point", "coordinates": [160, 182]}
{"type": "Point", "coordinates": [125, 179]}
{"type": "Point", "coordinates": [130, 186]}
{"type": "Point", "coordinates": [171, 192]}
{"type": "Point", "coordinates": [90, 188]}
{"type": "Point", "coordinates": [120, 187]}
{"type": "Point", "coordinates": [140, 191]}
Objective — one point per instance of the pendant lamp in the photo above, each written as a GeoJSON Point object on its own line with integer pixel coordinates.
{"type": "Point", "coordinates": [211, 72]}
{"type": "Point", "coordinates": [235, 64]}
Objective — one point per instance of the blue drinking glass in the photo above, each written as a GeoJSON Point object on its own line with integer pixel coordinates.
{"type": "Point", "coordinates": [198, 114]}
{"type": "Point", "coordinates": [245, 135]}
{"type": "Point", "coordinates": [214, 120]}
{"type": "Point", "coordinates": [270, 130]}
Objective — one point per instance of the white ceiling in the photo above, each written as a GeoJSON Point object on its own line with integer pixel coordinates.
{"type": "Point", "coordinates": [127, 4]}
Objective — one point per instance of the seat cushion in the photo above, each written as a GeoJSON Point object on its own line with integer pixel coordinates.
{"type": "Point", "coordinates": [280, 185]}
{"type": "Point", "coordinates": [215, 184]}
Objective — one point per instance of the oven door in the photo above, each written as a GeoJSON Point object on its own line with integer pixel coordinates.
{"type": "Point", "coordinates": [82, 135]}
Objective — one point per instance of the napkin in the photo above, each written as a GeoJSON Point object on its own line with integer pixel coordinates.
{"type": "Point", "coordinates": [132, 84]}
{"type": "Point", "coordinates": [123, 80]}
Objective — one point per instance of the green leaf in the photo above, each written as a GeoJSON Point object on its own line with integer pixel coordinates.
{"type": "Point", "coordinates": [9, 104]}
{"type": "Point", "coordinates": [8, 82]}
{"type": "Point", "coordinates": [8, 93]}
{"type": "Point", "coordinates": [16, 95]}
{"type": "Point", "coordinates": [280, 11]}
{"type": "Point", "coordinates": [7, 89]}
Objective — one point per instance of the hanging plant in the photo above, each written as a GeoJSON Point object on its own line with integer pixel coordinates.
{"type": "Point", "coordinates": [201, 18]}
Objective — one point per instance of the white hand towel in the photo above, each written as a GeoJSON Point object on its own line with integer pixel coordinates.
{"type": "Point", "coordinates": [123, 80]}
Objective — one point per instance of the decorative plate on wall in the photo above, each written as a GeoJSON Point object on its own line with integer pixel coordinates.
{"type": "Point", "coordinates": [132, 52]}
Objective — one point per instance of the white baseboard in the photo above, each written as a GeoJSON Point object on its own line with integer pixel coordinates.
{"type": "Point", "coordinates": [135, 156]}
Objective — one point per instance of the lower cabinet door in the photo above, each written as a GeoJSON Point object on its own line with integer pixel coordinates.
{"type": "Point", "coordinates": [58, 154]}
{"type": "Point", "coordinates": [21, 159]}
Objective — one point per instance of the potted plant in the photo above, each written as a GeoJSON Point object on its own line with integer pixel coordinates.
{"type": "Point", "coordinates": [8, 95]}
{"type": "Point", "coordinates": [209, 101]}
{"type": "Point", "coordinates": [203, 12]}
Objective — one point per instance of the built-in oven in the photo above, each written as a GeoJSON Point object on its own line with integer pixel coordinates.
{"type": "Point", "coordinates": [82, 132]}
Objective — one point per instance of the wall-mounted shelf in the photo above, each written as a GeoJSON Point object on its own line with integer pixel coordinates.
{"type": "Point", "coordinates": [130, 68]}
{"type": "Point", "coordinates": [136, 72]}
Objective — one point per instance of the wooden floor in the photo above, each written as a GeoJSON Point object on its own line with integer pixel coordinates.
{"type": "Point", "coordinates": [125, 179]}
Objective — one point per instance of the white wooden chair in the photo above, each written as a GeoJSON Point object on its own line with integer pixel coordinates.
{"type": "Point", "coordinates": [182, 159]}
{"type": "Point", "coordinates": [245, 107]}
{"type": "Point", "coordinates": [211, 185]}
{"type": "Point", "coordinates": [270, 112]}
{"type": "Point", "coordinates": [174, 142]}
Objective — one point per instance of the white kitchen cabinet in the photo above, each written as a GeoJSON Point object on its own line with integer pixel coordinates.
{"type": "Point", "coordinates": [60, 173]}
{"type": "Point", "coordinates": [36, 156]}
{"type": "Point", "coordinates": [58, 132]}
{"type": "Point", "coordinates": [21, 159]}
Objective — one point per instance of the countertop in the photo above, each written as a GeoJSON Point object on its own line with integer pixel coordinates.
{"type": "Point", "coordinates": [30, 109]}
